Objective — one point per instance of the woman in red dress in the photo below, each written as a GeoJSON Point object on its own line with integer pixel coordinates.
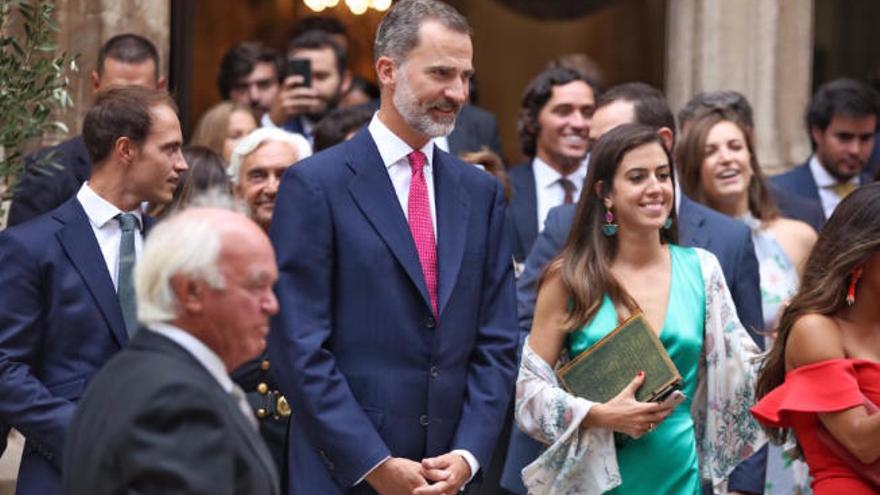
{"type": "Point", "coordinates": [822, 377]}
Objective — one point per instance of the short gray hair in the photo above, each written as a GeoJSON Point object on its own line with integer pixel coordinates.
{"type": "Point", "coordinates": [398, 32]}
{"type": "Point", "coordinates": [183, 244]}
{"type": "Point", "coordinates": [252, 141]}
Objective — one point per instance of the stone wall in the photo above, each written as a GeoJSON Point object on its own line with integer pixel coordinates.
{"type": "Point", "coordinates": [86, 24]}
{"type": "Point", "coordinates": [761, 48]}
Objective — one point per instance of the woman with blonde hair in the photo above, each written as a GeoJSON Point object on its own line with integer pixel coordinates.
{"type": "Point", "coordinates": [222, 127]}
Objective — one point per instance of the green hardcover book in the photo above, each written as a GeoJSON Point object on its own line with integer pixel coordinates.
{"type": "Point", "coordinates": [602, 371]}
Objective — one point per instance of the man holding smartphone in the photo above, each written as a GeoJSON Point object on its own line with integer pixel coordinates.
{"type": "Point", "coordinates": [316, 78]}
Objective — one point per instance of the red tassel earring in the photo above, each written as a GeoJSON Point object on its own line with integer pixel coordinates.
{"type": "Point", "coordinates": [853, 280]}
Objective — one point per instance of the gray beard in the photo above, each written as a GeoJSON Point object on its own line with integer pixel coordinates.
{"type": "Point", "coordinates": [416, 117]}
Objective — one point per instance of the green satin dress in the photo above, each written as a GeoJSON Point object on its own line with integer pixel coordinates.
{"type": "Point", "coordinates": [663, 461]}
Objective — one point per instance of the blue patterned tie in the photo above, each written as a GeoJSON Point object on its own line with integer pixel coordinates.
{"type": "Point", "coordinates": [125, 284]}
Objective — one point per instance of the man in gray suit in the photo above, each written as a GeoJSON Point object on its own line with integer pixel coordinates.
{"type": "Point", "coordinates": [163, 416]}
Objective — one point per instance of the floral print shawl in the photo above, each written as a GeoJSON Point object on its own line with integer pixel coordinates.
{"type": "Point", "coordinates": [583, 461]}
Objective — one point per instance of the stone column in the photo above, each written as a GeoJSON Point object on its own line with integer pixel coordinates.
{"type": "Point", "coordinates": [761, 48]}
{"type": "Point", "coordinates": [87, 24]}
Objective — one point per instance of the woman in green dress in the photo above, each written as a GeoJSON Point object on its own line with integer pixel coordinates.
{"type": "Point", "coordinates": [620, 259]}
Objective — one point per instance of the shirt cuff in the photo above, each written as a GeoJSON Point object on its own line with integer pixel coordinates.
{"type": "Point", "coordinates": [362, 478]}
{"type": "Point", "coordinates": [470, 460]}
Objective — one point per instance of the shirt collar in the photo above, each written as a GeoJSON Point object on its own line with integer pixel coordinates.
{"type": "Point", "coordinates": [822, 177]}
{"type": "Point", "coordinates": [392, 149]}
{"type": "Point", "coordinates": [99, 210]}
{"type": "Point", "coordinates": [202, 353]}
{"type": "Point", "coordinates": [546, 176]}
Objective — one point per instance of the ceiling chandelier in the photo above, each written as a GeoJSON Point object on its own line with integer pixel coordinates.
{"type": "Point", "coordinates": [357, 7]}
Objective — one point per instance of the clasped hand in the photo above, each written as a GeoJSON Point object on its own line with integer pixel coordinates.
{"type": "Point", "coordinates": [627, 415]}
{"type": "Point", "coordinates": [441, 475]}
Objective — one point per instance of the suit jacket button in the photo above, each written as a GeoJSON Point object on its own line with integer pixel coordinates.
{"type": "Point", "coordinates": [423, 420]}
{"type": "Point", "coordinates": [261, 413]}
{"type": "Point", "coordinates": [264, 365]}
{"type": "Point", "coordinates": [429, 322]}
{"type": "Point", "coordinates": [262, 389]}
{"type": "Point", "coordinates": [434, 372]}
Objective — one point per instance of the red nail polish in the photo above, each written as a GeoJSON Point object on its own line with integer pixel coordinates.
{"type": "Point", "coordinates": [641, 374]}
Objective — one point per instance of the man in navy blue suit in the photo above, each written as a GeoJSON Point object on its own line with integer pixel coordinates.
{"type": "Point", "coordinates": [396, 339]}
{"type": "Point", "coordinates": [124, 60]}
{"type": "Point", "coordinates": [554, 126]}
{"type": "Point", "coordinates": [842, 122]}
{"type": "Point", "coordinates": [728, 239]}
{"type": "Point", "coordinates": [67, 303]}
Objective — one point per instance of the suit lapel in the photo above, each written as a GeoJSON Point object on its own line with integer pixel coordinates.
{"type": "Point", "coordinates": [452, 215]}
{"type": "Point", "coordinates": [374, 194]}
{"type": "Point", "coordinates": [253, 441]}
{"type": "Point", "coordinates": [524, 207]}
{"type": "Point", "coordinates": [155, 342]}
{"type": "Point", "coordinates": [78, 241]}
{"type": "Point", "coordinates": [690, 227]}
{"type": "Point", "coordinates": [808, 182]}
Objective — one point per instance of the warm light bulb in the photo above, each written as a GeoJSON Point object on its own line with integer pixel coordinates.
{"type": "Point", "coordinates": [380, 5]}
{"type": "Point", "coordinates": [315, 5]}
{"type": "Point", "coordinates": [357, 7]}
{"type": "Point", "coordinates": [331, 3]}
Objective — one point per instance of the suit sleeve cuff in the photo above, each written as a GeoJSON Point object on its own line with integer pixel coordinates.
{"type": "Point", "coordinates": [362, 478]}
{"type": "Point", "coordinates": [470, 460]}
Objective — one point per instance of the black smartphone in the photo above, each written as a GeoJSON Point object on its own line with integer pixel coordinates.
{"type": "Point", "coordinates": [301, 67]}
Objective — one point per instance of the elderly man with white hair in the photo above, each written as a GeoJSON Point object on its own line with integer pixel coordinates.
{"type": "Point", "coordinates": [258, 161]}
{"type": "Point", "coordinates": [163, 415]}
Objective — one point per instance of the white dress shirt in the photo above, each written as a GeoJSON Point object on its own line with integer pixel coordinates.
{"type": "Point", "coordinates": [394, 151]}
{"type": "Point", "coordinates": [550, 192]}
{"type": "Point", "coordinates": [210, 361]}
{"type": "Point", "coordinates": [826, 182]}
{"type": "Point", "coordinates": [102, 217]}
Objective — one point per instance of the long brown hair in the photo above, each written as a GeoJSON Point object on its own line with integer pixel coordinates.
{"type": "Point", "coordinates": [850, 236]}
{"type": "Point", "coordinates": [585, 260]}
{"type": "Point", "coordinates": [691, 152]}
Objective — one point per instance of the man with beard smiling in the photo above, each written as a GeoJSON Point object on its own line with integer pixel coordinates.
{"type": "Point", "coordinates": [300, 107]}
{"type": "Point", "coordinates": [553, 127]}
{"type": "Point", "coordinates": [396, 339]}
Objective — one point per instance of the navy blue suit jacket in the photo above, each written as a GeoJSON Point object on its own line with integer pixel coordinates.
{"type": "Point", "coordinates": [728, 239]}
{"type": "Point", "coordinates": [522, 212]}
{"type": "Point", "coordinates": [60, 321]}
{"type": "Point", "coordinates": [368, 370]}
{"type": "Point", "coordinates": [800, 182]}
{"type": "Point", "coordinates": [798, 208]}
{"type": "Point", "coordinates": [40, 192]}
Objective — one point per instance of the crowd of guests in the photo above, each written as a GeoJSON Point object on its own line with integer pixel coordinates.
{"type": "Point", "coordinates": [339, 288]}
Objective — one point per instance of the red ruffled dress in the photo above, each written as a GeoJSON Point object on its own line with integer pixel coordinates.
{"type": "Point", "coordinates": [826, 386]}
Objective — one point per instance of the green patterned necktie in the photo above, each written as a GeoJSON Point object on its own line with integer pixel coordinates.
{"type": "Point", "coordinates": [125, 284]}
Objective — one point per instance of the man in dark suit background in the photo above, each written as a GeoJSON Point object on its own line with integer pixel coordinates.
{"type": "Point", "coordinates": [163, 416]}
{"type": "Point", "coordinates": [735, 105]}
{"type": "Point", "coordinates": [396, 338]}
{"type": "Point", "coordinates": [728, 239]}
{"type": "Point", "coordinates": [124, 60]}
{"type": "Point", "coordinates": [554, 126]}
{"type": "Point", "coordinates": [68, 297]}
{"type": "Point", "coordinates": [842, 122]}
{"type": "Point", "coordinates": [475, 128]}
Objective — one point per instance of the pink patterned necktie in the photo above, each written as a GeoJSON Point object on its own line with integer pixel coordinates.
{"type": "Point", "coordinates": [418, 210]}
